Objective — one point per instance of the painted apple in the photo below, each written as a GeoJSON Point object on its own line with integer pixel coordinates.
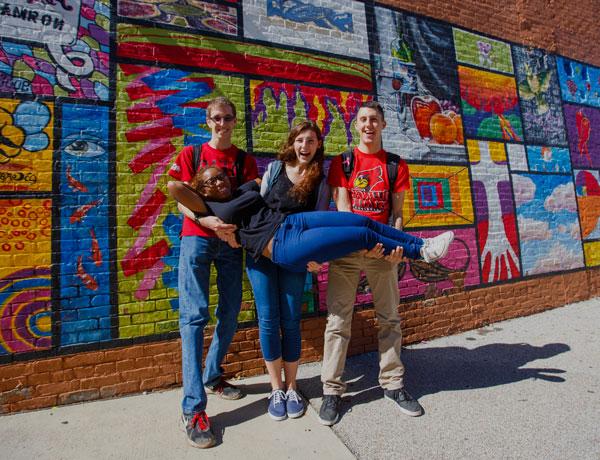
{"type": "Point", "coordinates": [443, 129]}
{"type": "Point", "coordinates": [423, 108]}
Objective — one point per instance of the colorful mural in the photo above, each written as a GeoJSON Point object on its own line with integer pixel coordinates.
{"type": "Point", "coordinates": [226, 55]}
{"type": "Point", "coordinates": [417, 85]}
{"type": "Point", "coordinates": [548, 159]}
{"type": "Point", "coordinates": [89, 238]}
{"type": "Point", "coordinates": [417, 278]}
{"type": "Point", "coordinates": [579, 82]}
{"type": "Point", "coordinates": [161, 110]}
{"type": "Point", "coordinates": [26, 135]}
{"type": "Point", "coordinates": [85, 287]}
{"type": "Point", "coordinates": [458, 271]}
{"type": "Point", "coordinates": [25, 282]}
{"type": "Point", "coordinates": [191, 14]}
{"type": "Point", "coordinates": [494, 211]}
{"type": "Point", "coordinates": [490, 105]}
{"type": "Point", "coordinates": [583, 126]}
{"type": "Point", "coordinates": [482, 51]}
{"type": "Point", "coordinates": [275, 107]}
{"type": "Point", "coordinates": [587, 189]}
{"type": "Point", "coordinates": [539, 91]}
{"type": "Point", "coordinates": [68, 50]}
{"type": "Point", "coordinates": [438, 196]}
{"type": "Point", "coordinates": [333, 26]}
{"type": "Point", "coordinates": [548, 226]}
{"type": "Point", "coordinates": [592, 253]}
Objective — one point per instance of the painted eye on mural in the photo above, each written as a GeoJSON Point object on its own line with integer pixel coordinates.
{"type": "Point", "coordinates": [86, 146]}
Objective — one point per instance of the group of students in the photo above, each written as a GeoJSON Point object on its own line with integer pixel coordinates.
{"type": "Point", "coordinates": [283, 224]}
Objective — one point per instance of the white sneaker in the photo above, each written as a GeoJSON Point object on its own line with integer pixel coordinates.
{"type": "Point", "coordinates": [436, 248]}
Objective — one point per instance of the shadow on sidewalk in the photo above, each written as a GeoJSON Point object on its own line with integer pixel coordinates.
{"type": "Point", "coordinates": [241, 410]}
{"type": "Point", "coordinates": [436, 369]}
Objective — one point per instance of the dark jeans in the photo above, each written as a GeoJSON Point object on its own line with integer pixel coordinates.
{"type": "Point", "coordinates": [322, 236]}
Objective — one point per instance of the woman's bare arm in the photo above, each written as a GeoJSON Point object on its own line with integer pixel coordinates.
{"type": "Point", "coordinates": [187, 197]}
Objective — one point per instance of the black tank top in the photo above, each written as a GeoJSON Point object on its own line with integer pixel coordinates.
{"type": "Point", "coordinates": [259, 219]}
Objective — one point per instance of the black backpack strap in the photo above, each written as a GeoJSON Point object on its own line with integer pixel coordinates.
{"type": "Point", "coordinates": [240, 160]}
{"type": "Point", "coordinates": [196, 153]}
{"type": "Point", "coordinates": [348, 162]}
{"type": "Point", "coordinates": [391, 163]}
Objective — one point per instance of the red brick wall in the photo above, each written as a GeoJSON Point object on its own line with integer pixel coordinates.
{"type": "Point", "coordinates": [120, 371]}
{"type": "Point", "coordinates": [565, 28]}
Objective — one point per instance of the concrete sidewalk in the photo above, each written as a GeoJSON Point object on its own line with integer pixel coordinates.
{"type": "Point", "coordinates": [527, 388]}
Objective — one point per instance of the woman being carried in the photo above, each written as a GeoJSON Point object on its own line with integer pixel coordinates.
{"type": "Point", "coordinates": [292, 241]}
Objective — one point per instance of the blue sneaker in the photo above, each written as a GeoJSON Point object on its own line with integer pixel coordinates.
{"type": "Point", "coordinates": [294, 404]}
{"type": "Point", "coordinates": [277, 410]}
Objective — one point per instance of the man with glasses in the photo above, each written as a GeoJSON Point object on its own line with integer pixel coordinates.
{"type": "Point", "coordinates": [204, 241]}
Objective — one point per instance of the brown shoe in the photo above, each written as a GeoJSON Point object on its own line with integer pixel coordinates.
{"type": "Point", "coordinates": [225, 390]}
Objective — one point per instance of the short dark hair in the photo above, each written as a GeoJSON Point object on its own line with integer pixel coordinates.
{"type": "Point", "coordinates": [373, 105]}
{"type": "Point", "coordinates": [220, 101]}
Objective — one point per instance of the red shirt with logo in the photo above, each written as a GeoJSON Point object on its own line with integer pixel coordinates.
{"type": "Point", "coordinates": [368, 184]}
{"type": "Point", "coordinates": [182, 170]}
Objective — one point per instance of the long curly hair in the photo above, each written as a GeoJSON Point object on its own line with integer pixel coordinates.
{"type": "Point", "coordinates": [314, 172]}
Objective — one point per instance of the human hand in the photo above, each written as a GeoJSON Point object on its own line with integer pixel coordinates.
{"type": "Point", "coordinates": [223, 231]}
{"type": "Point", "coordinates": [376, 252]}
{"type": "Point", "coordinates": [396, 256]}
{"type": "Point", "coordinates": [314, 267]}
{"type": "Point", "coordinates": [231, 240]}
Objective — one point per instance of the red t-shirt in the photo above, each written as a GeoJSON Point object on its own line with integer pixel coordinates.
{"type": "Point", "coordinates": [182, 170]}
{"type": "Point", "coordinates": [368, 185]}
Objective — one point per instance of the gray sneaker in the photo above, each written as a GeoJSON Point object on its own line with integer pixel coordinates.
{"type": "Point", "coordinates": [330, 410]}
{"type": "Point", "coordinates": [437, 247]}
{"type": "Point", "coordinates": [224, 390]}
{"type": "Point", "coordinates": [197, 428]}
{"type": "Point", "coordinates": [406, 403]}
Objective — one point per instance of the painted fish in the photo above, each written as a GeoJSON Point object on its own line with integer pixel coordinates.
{"type": "Point", "coordinates": [74, 184]}
{"type": "Point", "coordinates": [96, 253]}
{"type": "Point", "coordinates": [82, 211]}
{"type": "Point", "coordinates": [87, 279]}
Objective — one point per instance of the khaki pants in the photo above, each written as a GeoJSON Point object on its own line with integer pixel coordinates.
{"type": "Point", "coordinates": [344, 275]}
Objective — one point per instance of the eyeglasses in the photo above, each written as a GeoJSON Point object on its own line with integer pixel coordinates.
{"type": "Point", "coordinates": [213, 180]}
{"type": "Point", "coordinates": [226, 118]}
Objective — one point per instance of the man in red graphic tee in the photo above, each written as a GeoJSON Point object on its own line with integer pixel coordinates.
{"type": "Point", "coordinates": [366, 191]}
{"type": "Point", "coordinates": [204, 241]}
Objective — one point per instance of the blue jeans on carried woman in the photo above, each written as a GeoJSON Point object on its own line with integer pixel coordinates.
{"type": "Point", "coordinates": [322, 235]}
{"type": "Point", "coordinates": [278, 296]}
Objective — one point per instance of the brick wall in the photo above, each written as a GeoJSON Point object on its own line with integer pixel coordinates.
{"type": "Point", "coordinates": [120, 371]}
{"type": "Point", "coordinates": [95, 102]}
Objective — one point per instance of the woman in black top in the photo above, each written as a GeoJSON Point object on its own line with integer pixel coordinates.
{"type": "Point", "coordinates": [294, 240]}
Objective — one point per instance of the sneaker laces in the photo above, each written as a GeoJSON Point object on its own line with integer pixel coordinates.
{"type": "Point", "coordinates": [278, 396]}
{"type": "Point", "coordinates": [331, 401]}
{"type": "Point", "coordinates": [200, 419]}
{"type": "Point", "coordinates": [293, 396]}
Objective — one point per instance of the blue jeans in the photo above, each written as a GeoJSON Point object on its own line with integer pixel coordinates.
{"type": "Point", "coordinates": [323, 236]}
{"type": "Point", "coordinates": [195, 257]}
{"type": "Point", "coordinates": [278, 295]}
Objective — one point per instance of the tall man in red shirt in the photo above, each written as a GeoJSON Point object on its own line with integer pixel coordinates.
{"type": "Point", "coordinates": [205, 241]}
{"type": "Point", "coordinates": [367, 192]}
